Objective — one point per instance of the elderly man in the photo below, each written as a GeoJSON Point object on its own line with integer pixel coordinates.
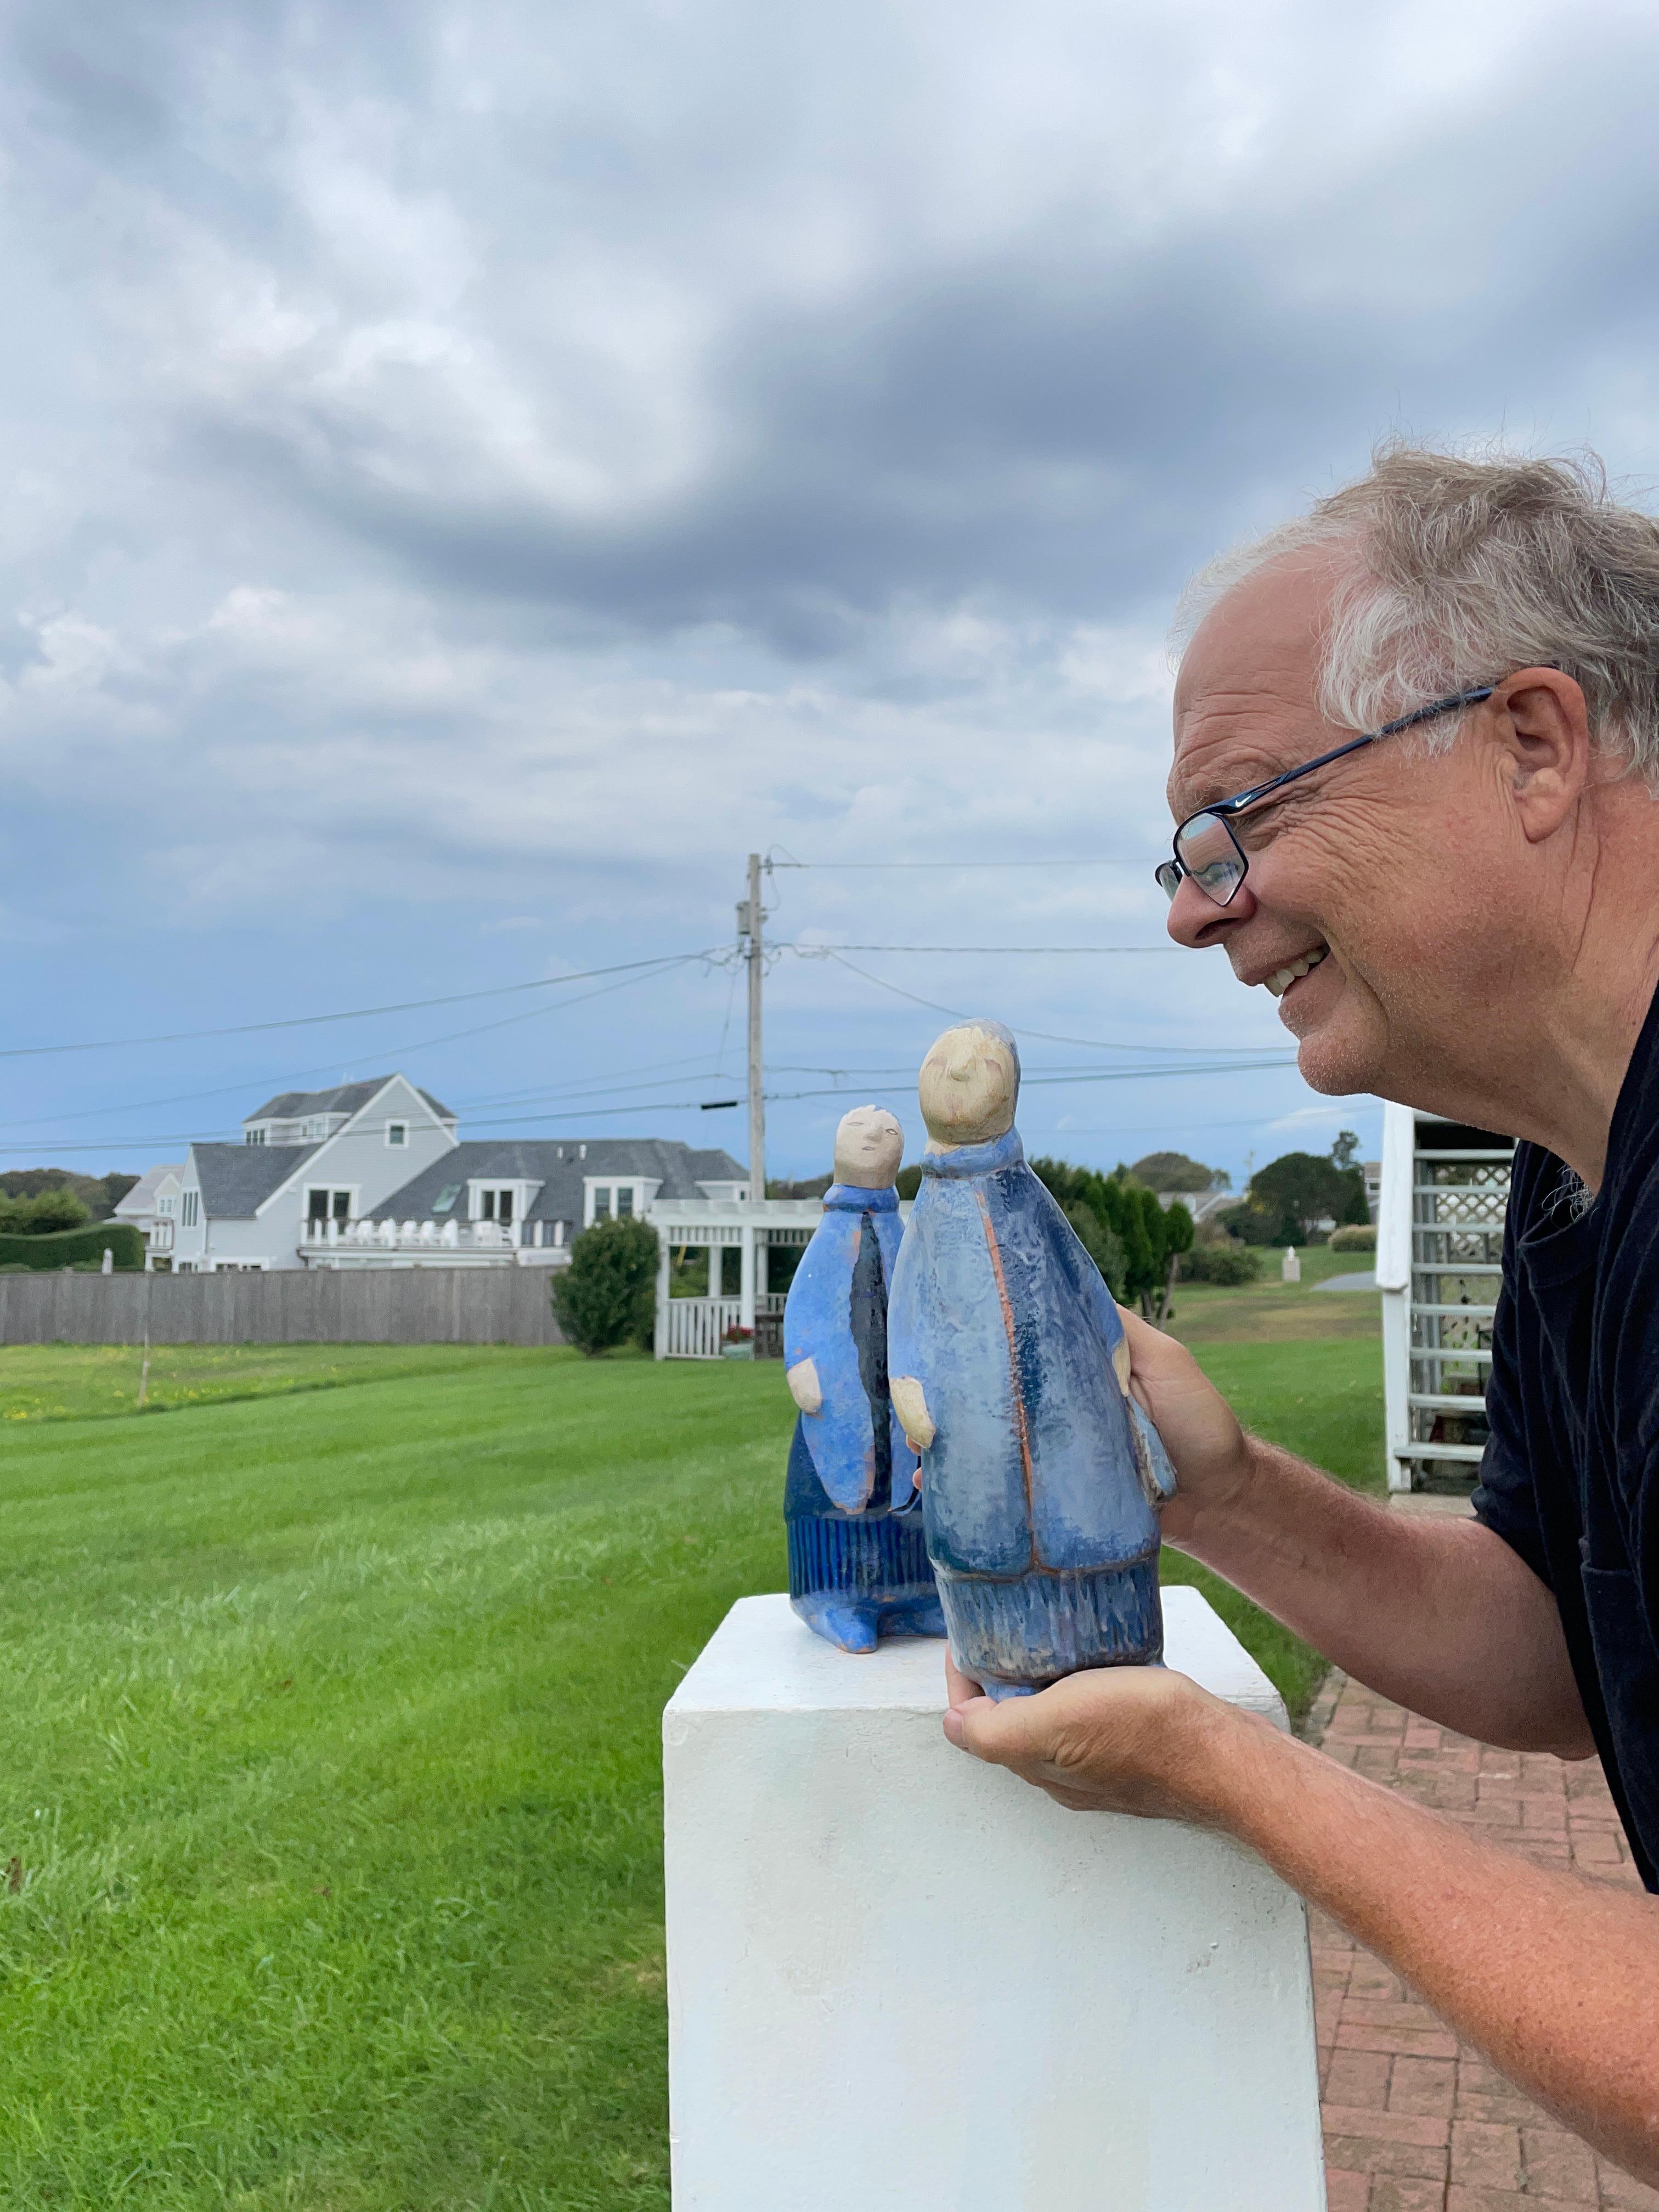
{"type": "Point", "coordinates": [1417, 741]}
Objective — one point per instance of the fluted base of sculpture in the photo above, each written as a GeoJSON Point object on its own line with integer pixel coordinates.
{"type": "Point", "coordinates": [854, 1581]}
{"type": "Point", "coordinates": [855, 1577]}
{"type": "Point", "coordinates": [1016, 1638]}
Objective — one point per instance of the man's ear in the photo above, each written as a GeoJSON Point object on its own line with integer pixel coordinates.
{"type": "Point", "coordinates": [1543, 729]}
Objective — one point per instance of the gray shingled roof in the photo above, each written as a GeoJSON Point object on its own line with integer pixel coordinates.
{"type": "Point", "coordinates": [237, 1179]}
{"type": "Point", "coordinates": [344, 1098]}
{"type": "Point", "coordinates": [676, 1167]}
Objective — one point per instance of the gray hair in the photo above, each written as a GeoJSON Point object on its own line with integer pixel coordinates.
{"type": "Point", "coordinates": [1454, 570]}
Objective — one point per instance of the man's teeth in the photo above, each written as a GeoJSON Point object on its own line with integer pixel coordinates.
{"type": "Point", "coordinates": [1280, 982]}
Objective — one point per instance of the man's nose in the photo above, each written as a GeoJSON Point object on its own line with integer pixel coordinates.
{"type": "Point", "coordinates": [1196, 922]}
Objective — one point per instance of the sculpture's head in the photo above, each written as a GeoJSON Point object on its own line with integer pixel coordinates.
{"type": "Point", "coordinates": [969, 1084]}
{"type": "Point", "coordinates": [869, 1145]}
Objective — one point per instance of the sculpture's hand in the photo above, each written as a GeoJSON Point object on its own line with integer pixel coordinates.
{"type": "Point", "coordinates": [1200, 1430]}
{"type": "Point", "coordinates": [910, 1404]}
{"type": "Point", "coordinates": [804, 1388]}
{"type": "Point", "coordinates": [1138, 1740]}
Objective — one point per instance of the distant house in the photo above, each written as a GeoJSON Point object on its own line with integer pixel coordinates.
{"type": "Point", "coordinates": [523, 1201]}
{"type": "Point", "coordinates": [373, 1175]}
{"type": "Point", "coordinates": [307, 1158]}
{"type": "Point", "coordinates": [152, 1207]}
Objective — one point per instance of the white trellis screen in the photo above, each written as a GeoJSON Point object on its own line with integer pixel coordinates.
{"type": "Point", "coordinates": [1439, 1247]}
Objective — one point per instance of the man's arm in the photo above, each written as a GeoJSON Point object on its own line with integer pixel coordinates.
{"type": "Point", "coordinates": [1440, 1614]}
{"type": "Point", "coordinates": [1554, 1978]}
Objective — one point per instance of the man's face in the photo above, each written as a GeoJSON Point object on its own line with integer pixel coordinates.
{"type": "Point", "coordinates": [1395, 874]}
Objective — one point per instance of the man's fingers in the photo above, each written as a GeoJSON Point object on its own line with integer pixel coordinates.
{"type": "Point", "coordinates": [959, 1688]}
{"type": "Point", "coordinates": [1003, 1734]}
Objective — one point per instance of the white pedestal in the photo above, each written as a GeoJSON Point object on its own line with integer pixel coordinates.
{"type": "Point", "coordinates": [901, 1981]}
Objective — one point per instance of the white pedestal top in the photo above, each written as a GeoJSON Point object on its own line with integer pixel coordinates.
{"type": "Point", "coordinates": [762, 1659]}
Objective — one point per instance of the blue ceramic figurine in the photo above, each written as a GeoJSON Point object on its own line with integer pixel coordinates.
{"type": "Point", "coordinates": [858, 1560]}
{"type": "Point", "coordinates": [1040, 1475]}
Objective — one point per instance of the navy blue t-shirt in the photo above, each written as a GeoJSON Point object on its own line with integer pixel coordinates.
{"type": "Point", "coordinates": [1571, 1473]}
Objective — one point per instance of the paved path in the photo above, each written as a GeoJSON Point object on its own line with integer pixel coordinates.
{"type": "Point", "coordinates": [1414, 2122]}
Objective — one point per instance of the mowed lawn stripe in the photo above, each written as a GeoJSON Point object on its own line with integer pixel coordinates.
{"type": "Point", "coordinates": [330, 1762]}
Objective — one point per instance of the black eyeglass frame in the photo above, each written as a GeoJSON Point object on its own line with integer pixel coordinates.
{"type": "Point", "coordinates": [1168, 873]}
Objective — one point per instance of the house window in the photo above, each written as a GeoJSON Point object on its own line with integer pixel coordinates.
{"type": "Point", "coordinates": [497, 1206]}
{"type": "Point", "coordinates": [323, 1204]}
{"type": "Point", "coordinates": [602, 1204]}
{"type": "Point", "coordinates": [445, 1198]}
{"type": "Point", "coordinates": [164, 1205]}
{"type": "Point", "coordinates": [190, 1208]}
{"type": "Point", "coordinates": [397, 1135]}
{"type": "Point", "coordinates": [624, 1201]}
{"type": "Point", "coordinates": [254, 1137]}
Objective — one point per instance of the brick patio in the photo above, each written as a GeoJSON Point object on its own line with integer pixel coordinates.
{"type": "Point", "coordinates": [1414, 2122]}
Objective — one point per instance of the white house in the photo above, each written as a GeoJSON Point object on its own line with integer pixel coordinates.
{"type": "Point", "coordinates": [521, 1201]}
{"type": "Point", "coordinates": [373, 1175]}
{"type": "Point", "coordinates": [307, 1159]}
{"type": "Point", "coordinates": [152, 1206]}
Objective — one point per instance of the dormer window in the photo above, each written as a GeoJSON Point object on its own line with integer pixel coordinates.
{"type": "Point", "coordinates": [254, 1136]}
{"type": "Point", "coordinates": [496, 1206]}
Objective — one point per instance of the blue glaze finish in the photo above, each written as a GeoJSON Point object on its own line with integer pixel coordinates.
{"type": "Point", "coordinates": [858, 1558]}
{"type": "Point", "coordinates": [1039, 1483]}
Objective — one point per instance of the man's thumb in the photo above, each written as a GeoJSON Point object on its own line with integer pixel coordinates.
{"type": "Point", "coordinates": [979, 1726]}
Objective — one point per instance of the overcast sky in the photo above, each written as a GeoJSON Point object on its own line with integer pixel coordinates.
{"type": "Point", "coordinates": [473, 473]}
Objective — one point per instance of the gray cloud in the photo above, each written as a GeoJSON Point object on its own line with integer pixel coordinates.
{"type": "Point", "coordinates": [502, 462]}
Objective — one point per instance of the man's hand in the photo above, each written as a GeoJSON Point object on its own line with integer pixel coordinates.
{"type": "Point", "coordinates": [1200, 1430]}
{"type": "Point", "coordinates": [1137, 1739]}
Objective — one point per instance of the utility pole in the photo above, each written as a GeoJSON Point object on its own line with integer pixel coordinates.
{"type": "Point", "coordinates": [750, 922]}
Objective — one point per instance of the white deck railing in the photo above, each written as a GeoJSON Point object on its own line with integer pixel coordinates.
{"type": "Point", "coordinates": [409, 1236]}
{"type": "Point", "coordinates": [696, 1327]}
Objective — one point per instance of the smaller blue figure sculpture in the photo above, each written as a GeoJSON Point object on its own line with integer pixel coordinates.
{"type": "Point", "coordinates": [857, 1558]}
{"type": "Point", "coordinates": [1040, 1475]}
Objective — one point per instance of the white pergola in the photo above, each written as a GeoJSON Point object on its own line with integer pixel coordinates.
{"type": "Point", "coordinates": [695, 1328]}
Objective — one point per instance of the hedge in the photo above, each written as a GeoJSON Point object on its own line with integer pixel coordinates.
{"type": "Point", "coordinates": [69, 1248]}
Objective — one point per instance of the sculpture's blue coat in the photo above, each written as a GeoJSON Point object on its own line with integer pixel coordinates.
{"type": "Point", "coordinates": [858, 1560]}
{"type": "Point", "coordinates": [818, 1325]}
{"type": "Point", "coordinates": [1038, 1483]}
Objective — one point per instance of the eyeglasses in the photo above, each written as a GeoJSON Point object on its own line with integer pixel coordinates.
{"type": "Point", "coordinates": [1205, 847]}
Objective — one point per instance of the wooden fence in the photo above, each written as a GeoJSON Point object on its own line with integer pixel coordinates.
{"type": "Point", "coordinates": [389, 1305]}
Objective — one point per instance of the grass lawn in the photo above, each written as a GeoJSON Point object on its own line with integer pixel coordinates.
{"type": "Point", "coordinates": [330, 1874]}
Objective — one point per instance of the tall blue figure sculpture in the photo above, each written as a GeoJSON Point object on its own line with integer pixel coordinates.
{"type": "Point", "coordinates": [857, 1558]}
{"type": "Point", "coordinates": [1040, 1475]}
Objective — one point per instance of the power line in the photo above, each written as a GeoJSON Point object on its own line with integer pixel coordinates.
{"type": "Point", "coordinates": [1140, 860]}
{"type": "Point", "coordinates": [1047, 951]}
{"type": "Point", "coordinates": [363, 1013]}
{"type": "Point", "coordinates": [1047, 1037]}
{"type": "Point", "coordinates": [223, 1089]}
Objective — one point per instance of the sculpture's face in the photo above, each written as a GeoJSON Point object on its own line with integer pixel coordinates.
{"type": "Point", "coordinates": [869, 1145]}
{"type": "Point", "coordinates": [970, 1086]}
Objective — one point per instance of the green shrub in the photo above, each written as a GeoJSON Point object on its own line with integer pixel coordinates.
{"type": "Point", "coordinates": [608, 1296]}
{"type": "Point", "coordinates": [1227, 1263]}
{"type": "Point", "coordinates": [1353, 1237]}
{"type": "Point", "coordinates": [69, 1247]}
